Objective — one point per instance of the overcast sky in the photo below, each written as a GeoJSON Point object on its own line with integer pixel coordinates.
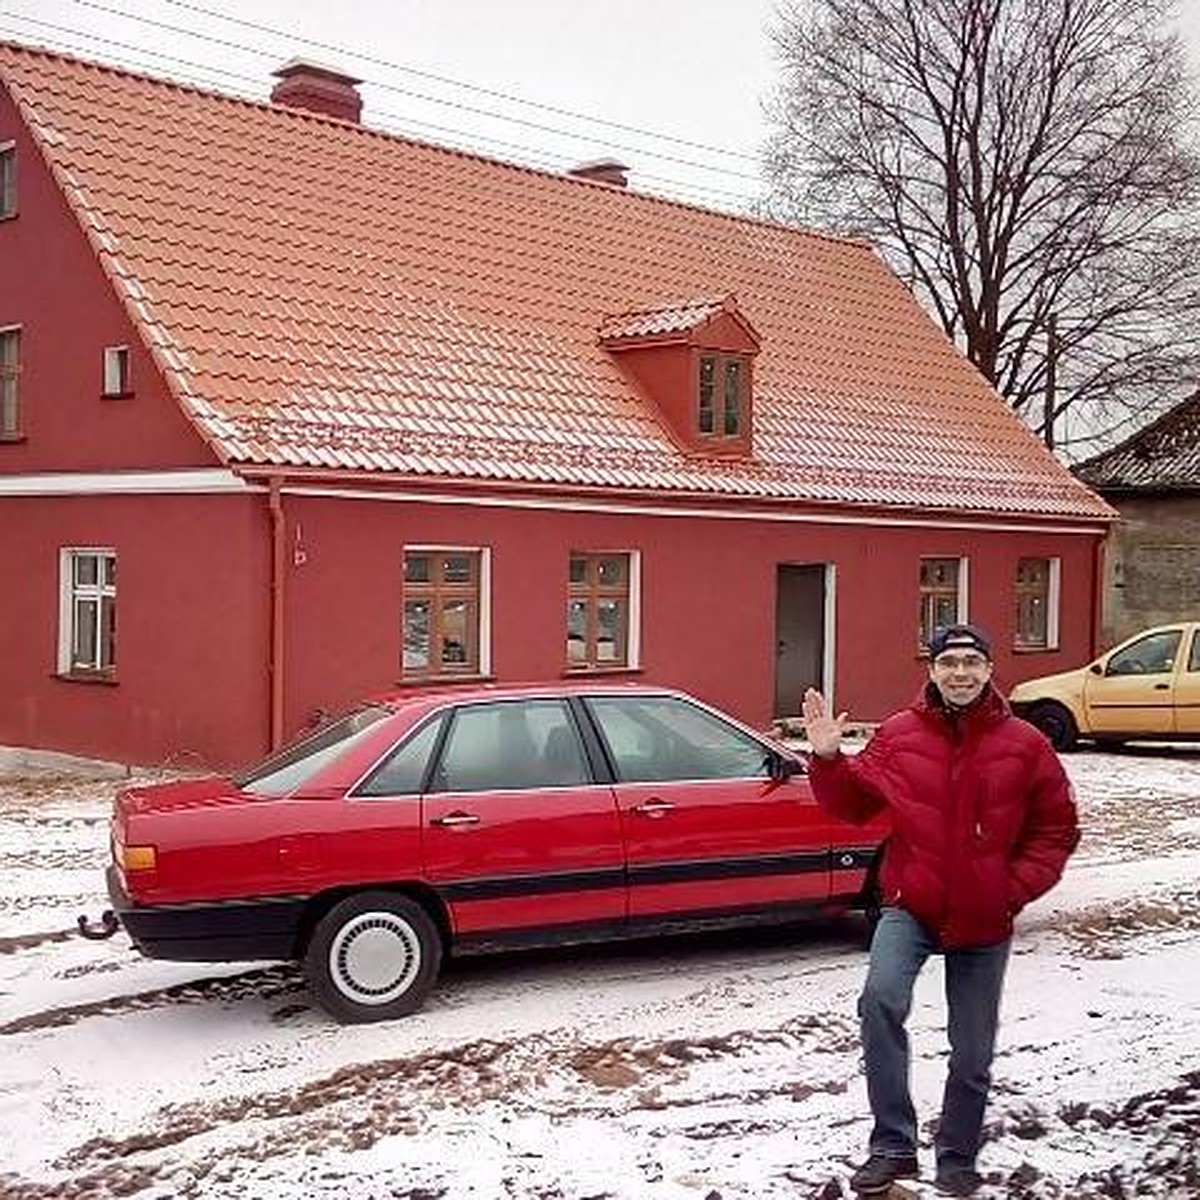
{"type": "Point", "coordinates": [693, 70]}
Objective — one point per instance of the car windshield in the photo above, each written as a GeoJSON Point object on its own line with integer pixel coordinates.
{"type": "Point", "coordinates": [287, 770]}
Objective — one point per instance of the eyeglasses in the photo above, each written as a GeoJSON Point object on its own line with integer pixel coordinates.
{"type": "Point", "coordinates": [960, 662]}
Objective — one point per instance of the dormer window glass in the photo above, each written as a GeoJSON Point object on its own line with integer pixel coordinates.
{"type": "Point", "coordinates": [8, 180]}
{"type": "Point", "coordinates": [708, 370]}
{"type": "Point", "coordinates": [733, 397]}
{"type": "Point", "coordinates": [722, 378]}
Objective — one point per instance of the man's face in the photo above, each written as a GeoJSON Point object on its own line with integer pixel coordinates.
{"type": "Point", "coordinates": [960, 674]}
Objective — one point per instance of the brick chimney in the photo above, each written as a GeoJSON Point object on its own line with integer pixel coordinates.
{"type": "Point", "coordinates": [307, 85]}
{"type": "Point", "coordinates": [603, 170]}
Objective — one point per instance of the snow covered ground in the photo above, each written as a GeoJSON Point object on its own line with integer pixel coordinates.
{"type": "Point", "coordinates": [702, 1068]}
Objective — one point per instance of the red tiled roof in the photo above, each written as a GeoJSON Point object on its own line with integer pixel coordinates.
{"type": "Point", "coordinates": [672, 318]}
{"type": "Point", "coordinates": [1163, 457]}
{"type": "Point", "coordinates": [321, 295]}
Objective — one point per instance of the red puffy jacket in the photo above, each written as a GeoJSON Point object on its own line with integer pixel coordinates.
{"type": "Point", "coordinates": [981, 813]}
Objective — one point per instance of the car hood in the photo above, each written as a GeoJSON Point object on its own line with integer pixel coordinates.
{"type": "Point", "coordinates": [1032, 689]}
{"type": "Point", "coordinates": [209, 792]}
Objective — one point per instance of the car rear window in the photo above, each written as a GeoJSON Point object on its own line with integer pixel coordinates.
{"type": "Point", "coordinates": [286, 771]}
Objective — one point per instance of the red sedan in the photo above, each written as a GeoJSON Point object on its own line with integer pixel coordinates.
{"type": "Point", "coordinates": [476, 819]}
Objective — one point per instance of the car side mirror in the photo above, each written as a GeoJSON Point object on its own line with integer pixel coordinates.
{"type": "Point", "coordinates": [1096, 669]}
{"type": "Point", "coordinates": [782, 767]}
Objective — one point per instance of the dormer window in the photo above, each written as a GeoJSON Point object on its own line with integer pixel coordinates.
{"type": "Point", "coordinates": [8, 180]}
{"type": "Point", "coordinates": [695, 361]}
{"type": "Point", "coordinates": [722, 377]}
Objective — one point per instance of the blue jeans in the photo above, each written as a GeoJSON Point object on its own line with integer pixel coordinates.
{"type": "Point", "coordinates": [974, 978]}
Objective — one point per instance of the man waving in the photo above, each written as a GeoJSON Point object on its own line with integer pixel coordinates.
{"type": "Point", "coordinates": [982, 823]}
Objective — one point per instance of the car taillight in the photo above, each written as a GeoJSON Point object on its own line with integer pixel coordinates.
{"type": "Point", "coordinates": [129, 856]}
{"type": "Point", "coordinates": [135, 858]}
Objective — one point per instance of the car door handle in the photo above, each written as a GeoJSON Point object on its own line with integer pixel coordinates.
{"type": "Point", "coordinates": [1161, 687]}
{"type": "Point", "coordinates": [654, 807]}
{"type": "Point", "coordinates": [456, 818]}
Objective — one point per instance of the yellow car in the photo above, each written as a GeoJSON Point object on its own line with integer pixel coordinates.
{"type": "Point", "coordinates": [1145, 689]}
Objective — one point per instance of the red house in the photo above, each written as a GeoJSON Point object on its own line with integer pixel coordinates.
{"type": "Point", "coordinates": [293, 411]}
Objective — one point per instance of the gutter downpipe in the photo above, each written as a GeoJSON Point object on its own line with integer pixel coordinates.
{"type": "Point", "coordinates": [278, 568]}
{"type": "Point", "coordinates": [1099, 588]}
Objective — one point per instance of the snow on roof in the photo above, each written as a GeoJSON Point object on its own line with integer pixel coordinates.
{"type": "Point", "coordinates": [323, 296]}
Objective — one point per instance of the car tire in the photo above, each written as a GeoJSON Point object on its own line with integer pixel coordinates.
{"type": "Point", "coordinates": [372, 957]}
{"type": "Point", "coordinates": [1056, 723]}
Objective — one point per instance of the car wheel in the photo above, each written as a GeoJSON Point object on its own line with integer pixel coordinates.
{"type": "Point", "coordinates": [372, 957]}
{"type": "Point", "coordinates": [1056, 723]}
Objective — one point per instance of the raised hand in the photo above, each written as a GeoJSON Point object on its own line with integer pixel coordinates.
{"type": "Point", "coordinates": [823, 730]}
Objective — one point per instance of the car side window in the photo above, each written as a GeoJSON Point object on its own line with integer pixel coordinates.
{"type": "Point", "coordinates": [298, 763]}
{"type": "Point", "coordinates": [402, 772]}
{"type": "Point", "coordinates": [511, 744]}
{"type": "Point", "coordinates": [659, 738]}
{"type": "Point", "coordinates": [1151, 655]}
{"type": "Point", "coordinates": [1194, 657]}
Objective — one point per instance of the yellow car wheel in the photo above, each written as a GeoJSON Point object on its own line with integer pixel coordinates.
{"type": "Point", "coordinates": [1056, 722]}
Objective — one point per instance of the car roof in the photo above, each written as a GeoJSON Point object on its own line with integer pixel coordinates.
{"type": "Point", "coordinates": [465, 693]}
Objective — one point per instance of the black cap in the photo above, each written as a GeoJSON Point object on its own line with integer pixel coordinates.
{"type": "Point", "coordinates": [959, 637]}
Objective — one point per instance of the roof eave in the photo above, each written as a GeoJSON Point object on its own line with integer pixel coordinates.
{"type": "Point", "coordinates": [464, 488]}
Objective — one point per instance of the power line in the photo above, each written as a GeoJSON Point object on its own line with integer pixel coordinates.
{"type": "Point", "coordinates": [392, 122]}
{"type": "Point", "coordinates": [524, 122]}
{"type": "Point", "coordinates": [84, 41]}
{"type": "Point", "coordinates": [472, 87]}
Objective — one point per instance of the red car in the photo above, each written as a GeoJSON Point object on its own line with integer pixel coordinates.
{"type": "Point", "coordinates": [479, 818]}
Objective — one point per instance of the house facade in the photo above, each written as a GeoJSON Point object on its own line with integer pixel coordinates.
{"type": "Point", "coordinates": [1152, 479]}
{"type": "Point", "coordinates": [293, 412]}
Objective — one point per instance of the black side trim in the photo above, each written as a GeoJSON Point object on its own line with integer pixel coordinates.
{"type": "Point", "coordinates": [614, 877]}
{"type": "Point", "coordinates": [732, 868]}
{"type": "Point", "coordinates": [221, 931]}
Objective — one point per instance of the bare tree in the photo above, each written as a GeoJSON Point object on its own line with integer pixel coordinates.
{"type": "Point", "coordinates": [1027, 166]}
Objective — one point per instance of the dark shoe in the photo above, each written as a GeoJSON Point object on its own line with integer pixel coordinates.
{"type": "Point", "coordinates": [877, 1173]}
{"type": "Point", "coordinates": [958, 1181]}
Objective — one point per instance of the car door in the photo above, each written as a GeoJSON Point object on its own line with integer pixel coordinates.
{"type": "Point", "coordinates": [517, 835]}
{"type": "Point", "coordinates": [1133, 691]}
{"type": "Point", "coordinates": [705, 826]}
{"type": "Point", "coordinates": [1187, 690]}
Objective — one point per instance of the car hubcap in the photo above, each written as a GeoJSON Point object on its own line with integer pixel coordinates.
{"type": "Point", "coordinates": [375, 958]}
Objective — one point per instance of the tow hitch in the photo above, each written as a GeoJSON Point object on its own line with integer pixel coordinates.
{"type": "Point", "coordinates": [108, 925]}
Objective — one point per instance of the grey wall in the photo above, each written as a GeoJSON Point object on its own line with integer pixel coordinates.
{"type": "Point", "coordinates": [1152, 573]}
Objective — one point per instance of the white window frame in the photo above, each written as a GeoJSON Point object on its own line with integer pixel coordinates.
{"type": "Point", "coordinates": [963, 585]}
{"type": "Point", "coordinates": [8, 180]}
{"type": "Point", "coordinates": [634, 645]}
{"type": "Point", "coordinates": [633, 634]}
{"type": "Point", "coordinates": [1053, 603]}
{"type": "Point", "coordinates": [68, 594]}
{"type": "Point", "coordinates": [829, 618]}
{"type": "Point", "coordinates": [117, 379]}
{"type": "Point", "coordinates": [485, 595]}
